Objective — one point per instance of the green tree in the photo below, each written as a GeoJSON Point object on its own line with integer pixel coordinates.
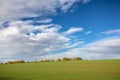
{"type": "Point", "coordinates": [66, 59]}
{"type": "Point", "coordinates": [58, 60]}
{"type": "Point", "coordinates": [78, 58]}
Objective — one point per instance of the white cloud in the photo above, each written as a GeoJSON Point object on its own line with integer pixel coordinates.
{"type": "Point", "coordinates": [7, 33]}
{"type": "Point", "coordinates": [15, 9]}
{"type": "Point", "coordinates": [66, 4]}
{"type": "Point", "coordinates": [49, 20]}
{"type": "Point", "coordinates": [22, 40]}
{"type": "Point", "coordinates": [89, 32]}
{"type": "Point", "coordinates": [108, 45]}
{"type": "Point", "coordinates": [108, 48]}
{"type": "Point", "coordinates": [73, 30]}
{"type": "Point", "coordinates": [116, 31]}
{"type": "Point", "coordinates": [103, 49]}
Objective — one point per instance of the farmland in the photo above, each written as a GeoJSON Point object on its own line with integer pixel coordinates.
{"type": "Point", "coordinates": [68, 70]}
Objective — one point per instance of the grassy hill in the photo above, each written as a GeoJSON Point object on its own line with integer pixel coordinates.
{"type": "Point", "coordinates": [71, 70]}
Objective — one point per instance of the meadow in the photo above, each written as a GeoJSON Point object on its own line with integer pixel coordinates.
{"type": "Point", "coordinates": [68, 70]}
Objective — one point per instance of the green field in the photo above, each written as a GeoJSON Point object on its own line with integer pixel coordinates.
{"type": "Point", "coordinates": [72, 70]}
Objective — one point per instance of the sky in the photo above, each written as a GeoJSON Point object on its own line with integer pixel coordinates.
{"type": "Point", "coordinates": [51, 29]}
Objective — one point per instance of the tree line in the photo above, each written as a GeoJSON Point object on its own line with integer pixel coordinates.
{"type": "Point", "coordinates": [63, 59]}
{"type": "Point", "coordinates": [14, 62]}
{"type": "Point", "coordinates": [57, 60]}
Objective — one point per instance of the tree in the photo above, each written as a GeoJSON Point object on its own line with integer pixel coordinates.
{"type": "Point", "coordinates": [58, 60]}
{"type": "Point", "coordinates": [66, 59]}
{"type": "Point", "coordinates": [79, 59]}
{"type": "Point", "coordinates": [14, 62]}
{"type": "Point", "coordinates": [46, 60]}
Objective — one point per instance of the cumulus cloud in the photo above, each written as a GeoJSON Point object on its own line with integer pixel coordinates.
{"type": "Point", "coordinates": [15, 9]}
{"type": "Point", "coordinates": [20, 39]}
{"type": "Point", "coordinates": [23, 39]}
{"type": "Point", "coordinates": [7, 33]}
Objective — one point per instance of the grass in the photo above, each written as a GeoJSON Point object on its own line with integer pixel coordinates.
{"type": "Point", "coordinates": [73, 70]}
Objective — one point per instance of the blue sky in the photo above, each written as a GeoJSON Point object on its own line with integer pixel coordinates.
{"type": "Point", "coordinates": [37, 30]}
{"type": "Point", "coordinates": [96, 16]}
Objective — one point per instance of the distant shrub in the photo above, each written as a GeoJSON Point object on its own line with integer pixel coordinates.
{"type": "Point", "coordinates": [47, 60]}
{"type": "Point", "coordinates": [79, 59]}
{"type": "Point", "coordinates": [9, 62]}
{"type": "Point", "coordinates": [58, 60]}
{"type": "Point", "coordinates": [41, 61]}
{"type": "Point", "coordinates": [72, 59]}
{"type": "Point", "coordinates": [66, 59]}
{"type": "Point", "coordinates": [19, 61]}
{"type": "Point", "coordinates": [14, 62]}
